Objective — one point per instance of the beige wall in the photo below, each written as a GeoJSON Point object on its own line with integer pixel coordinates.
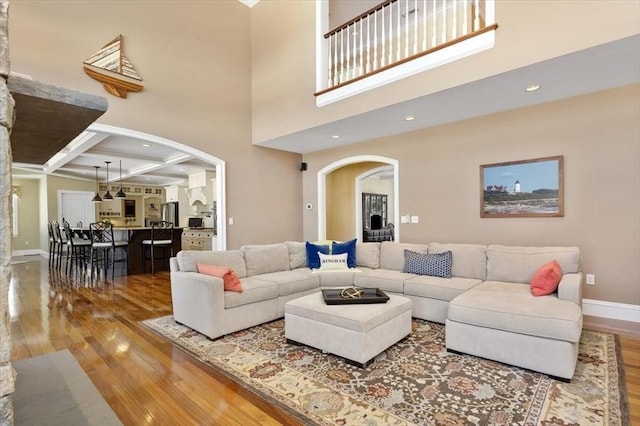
{"type": "Point", "coordinates": [195, 60]}
{"type": "Point", "coordinates": [28, 215]}
{"type": "Point", "coordinates": [52, 185]}
{"type": "Point", "coordinates": [599, 136]}
{"type": "Point", "coordinates": [340, 204]}
{"type": "Point", "coordinates": [529, 31]}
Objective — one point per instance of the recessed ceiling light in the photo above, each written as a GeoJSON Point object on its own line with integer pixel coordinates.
{"type": "Point", "coordinates": [146, 145]}
{"type": "Point", "coordinates": [336, 136]}
{"type": "Point", "coordinates": [532, 88]}
{"type": "Point", "coordinates": [409, 117]}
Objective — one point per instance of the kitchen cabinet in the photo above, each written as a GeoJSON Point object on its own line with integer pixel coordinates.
{"type": "Point", "coordinates": [110, 208]}
{"type": "Point", "coordinates": [174, 193]}
{"type": "Point", "coordinates": [150, 191]}
{"type": "Point", "coordinates": [196, 239]}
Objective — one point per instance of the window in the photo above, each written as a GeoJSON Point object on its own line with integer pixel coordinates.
{"type": "Point", "coordinates": [14, 202]}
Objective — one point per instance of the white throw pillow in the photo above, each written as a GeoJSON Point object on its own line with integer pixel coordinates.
{"type": "Point", "coordinates": [333, 262]}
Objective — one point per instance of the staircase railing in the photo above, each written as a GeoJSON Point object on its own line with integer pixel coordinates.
{"type": "Point", "coordinates": [398, 31]}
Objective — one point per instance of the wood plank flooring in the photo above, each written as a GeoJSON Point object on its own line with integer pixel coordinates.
{"type": "Point", "coordinates": [144, 379]}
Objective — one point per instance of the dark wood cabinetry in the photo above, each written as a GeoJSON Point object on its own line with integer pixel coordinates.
{"type": "Point", "coordinates": [374, 218]}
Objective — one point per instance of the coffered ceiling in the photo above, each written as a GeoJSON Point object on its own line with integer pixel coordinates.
{"type": "Point", "coordinates": [144, 162]}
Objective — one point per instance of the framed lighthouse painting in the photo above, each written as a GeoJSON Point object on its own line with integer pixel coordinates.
{"type": "Point", "coordinates": [526, 188]}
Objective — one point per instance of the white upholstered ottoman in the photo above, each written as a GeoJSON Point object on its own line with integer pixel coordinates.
{"type": "Point", "coordinates": [356, 332]}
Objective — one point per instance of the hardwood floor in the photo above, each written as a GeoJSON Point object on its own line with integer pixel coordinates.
{"type": "Point", "coordinates": [144, 378]}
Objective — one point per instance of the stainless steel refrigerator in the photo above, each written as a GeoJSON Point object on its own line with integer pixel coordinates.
{"type": "Point", "coordinates": [170, 213]}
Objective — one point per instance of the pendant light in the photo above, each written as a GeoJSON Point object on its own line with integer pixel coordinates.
{"type": "Point", "coordinates": [97, 198]}
{"type": "Point", "coordinates": [107, 195]}
{"type": "Point", "coordinates": [120, 193]}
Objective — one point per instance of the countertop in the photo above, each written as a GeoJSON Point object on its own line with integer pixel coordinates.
{"type": "Point", "coordinates": [133, 228]}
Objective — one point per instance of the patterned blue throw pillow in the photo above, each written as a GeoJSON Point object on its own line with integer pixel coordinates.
{"type": "Point", "coordinates": [432, 264]}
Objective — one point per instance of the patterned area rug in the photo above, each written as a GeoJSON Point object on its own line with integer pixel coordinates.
{"type": "Point", "coordinates": [414, 382]}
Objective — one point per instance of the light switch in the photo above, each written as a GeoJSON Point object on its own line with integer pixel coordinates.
{"type": "Point", "coordinates": [404, 219]}
{"type": "Point", "coordinates": [230, 221]}
{"type": "Point", "coordinates": [415, 219]}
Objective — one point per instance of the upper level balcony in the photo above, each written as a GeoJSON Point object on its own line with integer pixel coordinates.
{"type": "Point", "coordinates": [397, 39]}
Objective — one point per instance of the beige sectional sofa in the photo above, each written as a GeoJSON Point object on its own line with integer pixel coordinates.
{"type": "Point", "coordinates": [487, 305]}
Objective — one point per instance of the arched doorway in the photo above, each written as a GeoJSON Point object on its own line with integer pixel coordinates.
{"type": "Point", "coordinates": [322, 189]}
{"type": "Point", "coordinates": [221, 241]}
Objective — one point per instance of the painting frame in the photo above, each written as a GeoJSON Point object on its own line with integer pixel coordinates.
{"type": "Point", "coordinates": [541, 194]}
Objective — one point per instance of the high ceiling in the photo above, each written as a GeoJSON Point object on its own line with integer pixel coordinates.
{"type": "Point", "coordinates": [599, 68]}
{"type": "Point", "coordinates": [607, 66]}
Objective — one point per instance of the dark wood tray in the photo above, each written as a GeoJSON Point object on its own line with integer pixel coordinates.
{"type": "Point", "coordinates": [370, 295]}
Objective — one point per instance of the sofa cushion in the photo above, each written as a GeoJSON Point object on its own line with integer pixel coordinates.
{"type": "Point", "coordinates": [265, 258]}
{"type": "Point", "coordinates": [438, 288]}
{"type": "Point", "coordinates": [384, 279]}
{"type": "Point", "coordinates": [234, 259]}
{"type": "Point", "coordinates": [546, 279]}
{"type": "Point", "coordinates": [348, 247]}
{"type": "Point", "coordinates": [291, 282]}
{"type": "Point", "coordinates": [312, 250]}
{"type": "Point", "coordinates": [333, 262]}
{"type": "Point", "coordinates": [230, 280]}
{"type": "Point", "coordinates": [511, 307]}
{"type": "Point", "coordinates": [297, 254]}
{"type": "Point", "coordinates": [434, 264]}
{"type": "Point", "coordinates": [392, 254]}
{"type": "Point", "coordinates": [255, 290]}
{"type": "Point", "coordinates": [518, 264]}
{"type": "Point", "coordinates": [368, 255]}
{"type": "Point", "coordinates": [337, 278]}
{"type": "Point", "coordinates": [469, 260]}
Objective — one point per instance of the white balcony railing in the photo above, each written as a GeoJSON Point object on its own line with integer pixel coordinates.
{"type": "Point", "coordinates": [398, 31]}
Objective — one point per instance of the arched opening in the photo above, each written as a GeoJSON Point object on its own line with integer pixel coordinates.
{"type": "Point", "coordinates": [220, 193]}
{"type": "Point", "coordinates": [356, 200]}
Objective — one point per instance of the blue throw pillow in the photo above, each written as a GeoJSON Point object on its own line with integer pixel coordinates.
{"type": "Point", "coordinates": [348, 247]}
{"type": "Point", "coordinates": [313, 260]}
{"type": "Point", "coordinates": [433, 264]}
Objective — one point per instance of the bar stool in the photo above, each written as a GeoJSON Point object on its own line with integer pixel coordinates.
{"type": "Point", "coordinates": [104, 246]}
{"type": "Point", "coordinates": [161, 237]}
{"type": "Point", "coordinates": [53, 246]}
{"type": "Point", "coordinates": [77, 248]}
{"type": "Point", "coordinates": [60, 243]}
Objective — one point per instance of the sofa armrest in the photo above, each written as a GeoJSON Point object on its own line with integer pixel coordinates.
{"type": "Point", "coordinates": [198, 302]}
{"type": "Point", "coordinates": [173, 264]}
{"type": "Point", "coordinates": [570, 288]}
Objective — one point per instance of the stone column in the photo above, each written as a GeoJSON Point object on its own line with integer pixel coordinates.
{"type": "Point", "coordinates": [7, 374]}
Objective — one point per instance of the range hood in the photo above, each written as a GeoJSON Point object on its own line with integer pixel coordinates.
{"type": "Point", "coordinates": [201, 190]}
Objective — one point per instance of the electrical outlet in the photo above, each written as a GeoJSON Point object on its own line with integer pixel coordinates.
{"type": "Point", "coordinates": [591, 279]}
{"type": "Point", "coordinates": [415, 219]}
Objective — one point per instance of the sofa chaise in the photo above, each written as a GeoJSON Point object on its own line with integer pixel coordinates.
{"type": "Point", "coordinates": [487, 304]}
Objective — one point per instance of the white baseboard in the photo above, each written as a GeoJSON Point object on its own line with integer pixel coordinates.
{"type": "Point", "coordinates": [619, 311]}
{"type": "Point", "coordinates": [30, 252]}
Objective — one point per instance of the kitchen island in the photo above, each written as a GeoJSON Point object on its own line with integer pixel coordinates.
{"type": "Point", "coordinates": [135, 235]}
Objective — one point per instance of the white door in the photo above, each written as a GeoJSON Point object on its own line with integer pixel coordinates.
{"type": "Point", "coordinates": [76, 206]}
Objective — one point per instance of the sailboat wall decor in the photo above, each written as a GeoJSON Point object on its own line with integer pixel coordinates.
{"type": "Point", "coordinates": [110, 67]}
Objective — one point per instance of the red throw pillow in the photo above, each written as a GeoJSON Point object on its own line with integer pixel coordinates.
{"type": "Point", "coordinates": [228, 275]}
{"type": "Point", "coordinates": [546, 279]}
